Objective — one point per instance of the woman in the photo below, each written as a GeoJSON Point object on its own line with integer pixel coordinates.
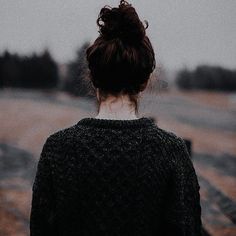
{"type": "Point", "coordinates": [116, 173]}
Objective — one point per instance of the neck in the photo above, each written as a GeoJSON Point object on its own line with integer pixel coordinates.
{"type": "Point", "coordinates": [117, 108]}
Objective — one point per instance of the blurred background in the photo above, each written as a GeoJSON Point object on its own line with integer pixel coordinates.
{"type": "Point", "coordinates": [192, 92]}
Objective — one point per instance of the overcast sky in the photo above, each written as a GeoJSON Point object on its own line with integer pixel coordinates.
{"type": "Point", "coordinates": [183, 33]}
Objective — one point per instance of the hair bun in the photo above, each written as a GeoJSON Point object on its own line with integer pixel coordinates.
{"type": "Point", "coordinates": [122, 22]}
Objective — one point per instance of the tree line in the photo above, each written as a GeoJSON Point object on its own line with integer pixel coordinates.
{"type": "Point", "coordinates": [207, 78]}
{"type": "Point", "coordinates": [41, 71]}
{"type": "Point", "coordinates": [34, 71]}
{"type": "Point", "coordinates": [76, 81]}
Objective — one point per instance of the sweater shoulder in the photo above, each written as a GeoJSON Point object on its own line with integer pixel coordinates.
{"type": "Point", "coordinates": [172, 145]}
{"type": "Point", "coordinates": [61, 138]}
{"type": "Point", "coordinates": [165, 137]}
{"type": "Point", "coordinates": [177, 151]}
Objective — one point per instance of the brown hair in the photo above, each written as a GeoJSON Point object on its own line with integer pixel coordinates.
{"type": "Point", "coordinates": [122, 58]}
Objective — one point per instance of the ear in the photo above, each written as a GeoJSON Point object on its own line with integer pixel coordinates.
{"type": "Point", "coordinates": [143, 86]}
{"type": "Point", "coordinates": [97, 93]}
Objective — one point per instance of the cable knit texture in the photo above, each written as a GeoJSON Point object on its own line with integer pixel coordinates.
{"type": "Point", "coordinates": [115, 177]}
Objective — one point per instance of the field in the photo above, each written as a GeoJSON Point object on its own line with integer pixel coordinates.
{"type": "Point", "coordinates": [208, 119]}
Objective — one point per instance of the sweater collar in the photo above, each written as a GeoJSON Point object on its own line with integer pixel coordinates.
{"type": "Point", "coordinates": [113, 123]}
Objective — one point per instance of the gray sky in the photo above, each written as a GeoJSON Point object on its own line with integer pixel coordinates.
{"type": "Point", "coordinates": [183, 33]}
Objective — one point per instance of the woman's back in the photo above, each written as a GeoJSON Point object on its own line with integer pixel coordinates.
{"type": "Point", "coordinates": [115, 177]}
{"type": "Point", "coordinates": [119, 174]}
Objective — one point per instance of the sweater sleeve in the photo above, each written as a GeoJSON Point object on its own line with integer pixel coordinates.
{"type": "Point", "coordinates": [42, 194]}
{"type": "Point", "coordinates": [183, 209]}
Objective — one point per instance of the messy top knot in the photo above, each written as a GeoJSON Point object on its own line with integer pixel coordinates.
{"type": "Point", "coordinates": [121, 59]}
{"type": "Point", "coordinates": [122, 22]}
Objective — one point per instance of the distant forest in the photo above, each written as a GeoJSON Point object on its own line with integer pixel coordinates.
{"type": "Point", "coordinates": [207, 78]}
{"type": "Point", "coordinates": [35, 71]}
{"type": "Point", "coordinates": [41, 71]}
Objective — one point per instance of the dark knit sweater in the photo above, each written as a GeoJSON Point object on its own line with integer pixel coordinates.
{"type": "Point", "coordinates": [115, 177]}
